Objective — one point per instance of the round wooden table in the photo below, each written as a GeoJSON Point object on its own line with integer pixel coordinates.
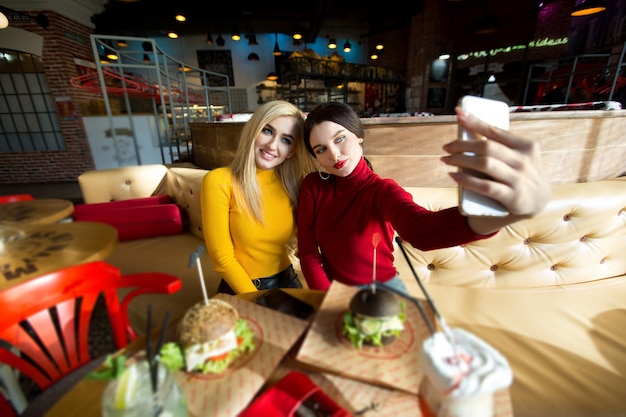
{"type": "Point", "coordinates": [34, 212]}
{"type": "Point", "coordinates": [29, 251]}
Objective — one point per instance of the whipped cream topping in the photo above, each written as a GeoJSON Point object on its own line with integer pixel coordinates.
{"type": "Point", "coordinates": [467, 367]}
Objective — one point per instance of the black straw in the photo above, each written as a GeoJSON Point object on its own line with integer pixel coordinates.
{"type": "Point", "coordinates": [414, 301]}
{"type": "Point", "coordinates": [153, 358]}
{"type": "Point", "coordinates": [419, 281]}
{"type": "Point", "coordinates": [149, 357]}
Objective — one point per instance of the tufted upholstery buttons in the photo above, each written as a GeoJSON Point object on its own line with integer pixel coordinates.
{"type": "Point", "coordinates": [567, 217]}
{"type": "Point", "coordinates": [527, 241]}
{"type": "Point", "coordinates": [602, 261]}
{"type": "Point", "coordinates": [583, 238]}
{"type": "Point", "coordinates": [127, 182]}
{"type": "Point", "coordinates": [430, 267]}
{"type": "Point", "coordinates": [553, 268]}
{"type": "Point", "coordinates": [493, 268]}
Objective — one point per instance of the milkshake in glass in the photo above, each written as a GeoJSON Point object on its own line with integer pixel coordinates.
{"type": "Point", "coordinates": [462, 373]}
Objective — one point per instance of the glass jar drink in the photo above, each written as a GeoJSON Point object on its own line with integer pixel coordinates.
{"type": "Point", "coordinates": [131, 394]}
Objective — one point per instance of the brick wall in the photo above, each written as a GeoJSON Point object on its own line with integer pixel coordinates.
{"type": "Point", "coordinates": [63, 41]}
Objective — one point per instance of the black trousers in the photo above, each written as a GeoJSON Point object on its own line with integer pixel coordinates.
{"type": "Point", "coordinates": [287, 278]}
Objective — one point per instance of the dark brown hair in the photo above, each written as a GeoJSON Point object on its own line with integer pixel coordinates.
{"type": "Point", "coordinates": [335, 112]}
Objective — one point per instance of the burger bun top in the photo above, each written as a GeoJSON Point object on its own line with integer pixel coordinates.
{"type": "Point", "coordinates": [207, 322]}
{"type": "Point", "coordinates": [379, 303]}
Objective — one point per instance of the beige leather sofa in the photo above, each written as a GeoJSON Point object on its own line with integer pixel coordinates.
{"type": "Point", "coordinates": [549, 292]}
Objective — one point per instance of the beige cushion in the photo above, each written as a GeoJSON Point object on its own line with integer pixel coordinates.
{"type": "Point", "coordinates": [580, 236]}
{"type": "Point", "coordinates": [125, 183]}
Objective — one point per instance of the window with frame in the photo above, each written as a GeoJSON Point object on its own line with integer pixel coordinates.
{"type": "Point", "coordinates": [28, 118]}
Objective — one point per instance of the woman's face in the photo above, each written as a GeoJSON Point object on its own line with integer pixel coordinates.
{"type": "Point", "coordinates": [275, 143]}
{"type": "Point", "coordinates": [336, 149]}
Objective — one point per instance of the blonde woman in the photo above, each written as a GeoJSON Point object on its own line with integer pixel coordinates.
{"type": "Point", "coordinates": [248, 208]}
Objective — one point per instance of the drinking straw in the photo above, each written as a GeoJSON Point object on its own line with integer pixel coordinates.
{"type": "Point", "coordinates": [375, 241]}
{"type": "Point", "coordinates": [153, 358]}
{"type": "Point", "coordinates": [194, 258]}
{"type": "Point", "coordinates": [414, 301]}
{"type": "Point", "coordinates": [443, 323]}
{"type": "Point", "coordinates": [149, 356]}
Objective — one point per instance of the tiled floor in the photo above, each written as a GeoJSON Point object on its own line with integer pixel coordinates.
{"type": "Point", "coordinates": [65, 190]}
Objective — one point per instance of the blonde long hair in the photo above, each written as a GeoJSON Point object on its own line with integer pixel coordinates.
{"type": "Point", "coordinates": [291, 172]}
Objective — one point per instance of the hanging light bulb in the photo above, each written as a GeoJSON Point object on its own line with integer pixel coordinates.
{"type": "Point", "coordinates": [277, 51]}
{"type": "Point", "coordinates": [332, 43]}
{"type": "Point", "coordinates": [122, 43]}
{"type": "Point", "coordinates": [297, 33]}
{"type": "Point", "coordinates": [444, 55]}
{"type": "Point", "coordinates": [587, 7]}
{"type": "Point", "coordinates": [209, 38]}
{"type": "Point", "coordinates": [253, 56]}
{"type": "Point", "coordinates": [180, 17]}
{"type": "Point", "coordinates": [220, 41]}
{"type": "Point", "coordinates": [146, 58]}
{"type": "Point", "coordinates": [272, 76]}
{"type": "Point", "coordinates": [235, 34]}
{"type": "Point", "coordinates": [172, 34]}
{"type": "Point", "coordinates": [346, 46]}
{"type": "Point", "coordinates": [380, 46]}
{"type": "Point", "coordinates": [374, 55]}
{"type": "Point", "coordinates": [4, 21]}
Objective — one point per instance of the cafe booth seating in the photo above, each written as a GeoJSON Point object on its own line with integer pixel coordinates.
{"type": "Point", "coordinates": [137, 218]}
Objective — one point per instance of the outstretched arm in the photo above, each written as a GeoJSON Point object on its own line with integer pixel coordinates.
{"type": "Point", "coordinates": [513, 165]}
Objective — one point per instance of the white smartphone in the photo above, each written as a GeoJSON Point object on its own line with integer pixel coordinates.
{"type": "Point", "coordinates": [495, 113]}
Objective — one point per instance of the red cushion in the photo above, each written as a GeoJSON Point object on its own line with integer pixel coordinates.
{"type": "Point", "coordinates": [138, 222]}
{"type": "Point", "coordinates": [79, 209]}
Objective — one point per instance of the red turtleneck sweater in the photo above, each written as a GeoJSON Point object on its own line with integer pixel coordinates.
{"type": "Point", "coordinates": [337, 219]}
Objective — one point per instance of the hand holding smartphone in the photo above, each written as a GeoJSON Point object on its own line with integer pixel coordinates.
{"type": "Point", "coordinates": [495, 113]}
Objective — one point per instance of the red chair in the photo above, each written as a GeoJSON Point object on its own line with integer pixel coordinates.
{"type": "Point", "coordinates": [15, 198]}
{"type": "Point", "coordinates": [56, 308]}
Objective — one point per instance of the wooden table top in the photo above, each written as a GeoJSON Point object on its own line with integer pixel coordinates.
{"type": "Point", "coordinates": [29, 251]}
{"type": "Point", "coordinates": [84, 397]}
{"type": "Point", "coordinates": [35, 212]}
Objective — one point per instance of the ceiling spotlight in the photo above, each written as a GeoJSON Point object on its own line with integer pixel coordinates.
{"type": "Point", "coordinates": [220, 41]}
{"type": "Point", "coordinates": [4, 21]}
{"type": "Point", "coordinates": [587, 7]}
{"type": "Point", "coordinates": [235, 34]}
{"type": "Point", "coordinates": [346, 46]}
{"type": "Point", "coordinates": [42, 20]}
{"type": "Point", "coordinates": [272, 76]}
{"type": "Point", "coordinates": [253, 57]}
{"type": "Point", "coordinates": [332, 43]}
{"type": "Point", "coordinates": [277, 51]}
{"type": "Point", "coordinates": [180, 17]}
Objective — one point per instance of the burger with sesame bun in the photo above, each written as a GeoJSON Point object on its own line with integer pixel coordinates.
{"type": "Point", "coordinates": [210, 337]}
{"type": "Point", "coordinates": [375, 318]}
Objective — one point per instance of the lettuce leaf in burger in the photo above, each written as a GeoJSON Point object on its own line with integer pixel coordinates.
{"type": "Point", "coordinates": [210, 337]}
{"type": "Point", "coordinates": [374, 318]}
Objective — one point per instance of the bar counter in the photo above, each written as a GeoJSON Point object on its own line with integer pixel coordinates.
{"type": "Point", "coordinates": [577, 146]}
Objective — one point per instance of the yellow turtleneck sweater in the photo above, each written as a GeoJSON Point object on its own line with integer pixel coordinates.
{"type": "Point", "coordinates": [241, 248]}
